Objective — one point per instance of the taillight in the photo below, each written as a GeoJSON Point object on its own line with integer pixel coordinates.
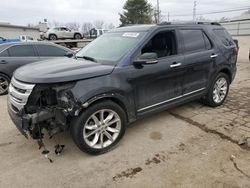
{"type": "Point", "coordinates": [236, 50]}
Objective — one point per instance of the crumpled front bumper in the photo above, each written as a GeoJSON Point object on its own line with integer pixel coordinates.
{"type": "Point", "coordinates": [29, 124]}
{"type": "Point", "coordinates": [17, 119]}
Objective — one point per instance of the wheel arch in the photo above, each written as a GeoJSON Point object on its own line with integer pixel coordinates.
{"type": "Point", "coordinates": [6, 75]}
{"type": "Point", "coordinates": [52, 34]}
{"type": "Point", "coordinates": [112, 97]}
{"type": "Point", "coordinates": [227, 72]}
{"type": "Point", "coordinates": [77, 33]}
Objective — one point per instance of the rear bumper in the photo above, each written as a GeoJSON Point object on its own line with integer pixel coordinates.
{"type": "Point", "coordinates": [234, 73]}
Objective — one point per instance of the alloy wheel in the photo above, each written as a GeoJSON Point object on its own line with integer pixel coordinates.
{"type": "Point", "coordinates": [102, 129]}
{"type": "Point", "coordinates": [220, 90]}
{"type": "Point", "coordinates": [4, 84]}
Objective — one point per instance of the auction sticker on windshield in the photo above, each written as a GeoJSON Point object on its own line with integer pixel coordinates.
{"type": "Point", "coordinates": [131, 34]}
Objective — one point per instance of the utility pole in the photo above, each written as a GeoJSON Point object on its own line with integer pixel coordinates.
{"type": "Point", "coordinates": [158, 11]}
{"type": "Point", "coordinates": [194, 11]}
{"type": "Point", "coordinates": [168, 16]}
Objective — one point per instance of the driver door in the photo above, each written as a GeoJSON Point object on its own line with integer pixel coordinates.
{"type": "Point", "coordinates": [157, 85]}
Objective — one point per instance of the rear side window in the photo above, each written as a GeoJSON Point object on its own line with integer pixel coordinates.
{"type": "Point", "coordinates": [21, 51]}
{"type": "Point", "coordinates": [224, 36]}
{"type": "Point", "coordinates": [50, 51]}
{"type": "Point", "coordinates": [195, 40]}
{"type": "Point", "coordinates": [5, 53]}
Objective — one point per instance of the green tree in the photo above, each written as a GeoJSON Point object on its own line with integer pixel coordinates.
{"type": "Point", "coordinates": [136, 12]}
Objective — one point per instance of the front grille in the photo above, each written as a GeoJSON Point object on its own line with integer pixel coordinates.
{"type": "Point", "coordinates": [19, 93]}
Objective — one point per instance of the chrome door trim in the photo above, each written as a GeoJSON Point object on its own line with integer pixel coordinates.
{"type": "Point", "coordinates": [169, 100]}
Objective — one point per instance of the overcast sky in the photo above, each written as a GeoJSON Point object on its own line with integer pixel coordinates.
{"type": "Point", "coordinates": [22, 12]}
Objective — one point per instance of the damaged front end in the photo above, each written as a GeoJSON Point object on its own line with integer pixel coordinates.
{"type": "Point", "coordinates": [34, 108]}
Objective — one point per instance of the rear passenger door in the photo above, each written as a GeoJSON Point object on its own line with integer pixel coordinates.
{"type": "Point", "coordinates": [49, 51]}
{"type": "Point", "coordinates": [198, 60]}
{"type": "Point", "coordinates": [17, 56]}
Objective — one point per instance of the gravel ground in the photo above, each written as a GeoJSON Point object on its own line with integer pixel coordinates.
{"type": "Point", "coordinates": [189, 146]}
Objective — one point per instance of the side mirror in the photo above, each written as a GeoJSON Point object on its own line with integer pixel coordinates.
{"type": "Point", "coordinates": [69, 54]}
{"type": "Point", "coordinates": [147, 59]}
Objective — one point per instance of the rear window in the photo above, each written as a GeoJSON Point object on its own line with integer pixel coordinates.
{"type": "Point", "coordinates": [21, 51]}
{"type": "Point", "coordinates": [195, 40]}
{"type": "Point", "coordinates": [224, 36]}
{"type": "Point", "coordinates": [50, 51]}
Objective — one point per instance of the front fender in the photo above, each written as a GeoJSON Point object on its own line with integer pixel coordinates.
{"type": "Point", "coordinates": [91, 90]}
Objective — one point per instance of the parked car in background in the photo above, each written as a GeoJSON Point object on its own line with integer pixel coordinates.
{"type": "Point", "coordinates": [26, 38]}
{"type": "Point", "coordinates": [94, 33]}
{"type": "Point", "coordinates": [4, 40]}
{"type": "Point", "coordinates": [14, 55]}
{"type": "Point", "coordinates": [122, 76]}
{"type": "Point", "coordinates": [61, 33]}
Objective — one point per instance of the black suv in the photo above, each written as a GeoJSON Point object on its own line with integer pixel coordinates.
{"type": "Point", "coordinates": [124, 75]}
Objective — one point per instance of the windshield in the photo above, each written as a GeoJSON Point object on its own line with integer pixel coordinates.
{"type": "Point", "coordinates": [111, 47]}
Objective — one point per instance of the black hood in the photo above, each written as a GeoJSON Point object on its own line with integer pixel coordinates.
{"type": "Point", "coordinates": [61, 70]}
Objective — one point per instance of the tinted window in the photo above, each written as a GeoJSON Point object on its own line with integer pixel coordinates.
{"type": "Point", "coordinates": [193, 40]}
{"type": "Point", "coordinates": [207, 42]}
{"type": "Point", "coordinates": [224, 36]}
{"type": "Point", "coordinates": [4, 53]}
{"type": "Point", "coordinates": [163, 44]}
{"type": "Point", "coordinates": [21, 51]}
{"type": "Point", "coordinates": [47, 50]}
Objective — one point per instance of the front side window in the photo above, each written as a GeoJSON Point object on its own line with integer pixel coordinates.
{"type": "Point", "coordinates": [21, 51]}
{"type": "Point", "coordinates": [194, 40]}
{"type": "Point", "coordinates": [111, 47]}
{"type": "Point", "coordinates": [163, 44]}
{"type": "Point", "coordinates": [50, 51]}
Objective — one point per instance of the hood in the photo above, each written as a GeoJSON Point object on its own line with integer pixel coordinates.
{"type": "Point", "coordinates": [61, 70]}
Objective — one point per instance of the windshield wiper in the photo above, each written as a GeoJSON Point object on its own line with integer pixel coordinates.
{"type": "Point", "coordinates": [87, 58]}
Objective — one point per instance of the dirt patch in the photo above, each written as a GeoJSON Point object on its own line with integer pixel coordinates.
{"type": "Point", "coordinates": [155, 136]}
{"type": "Point", "coordinates": [5, 144]}
{"type": "Point", "coordinates": [129, 173]}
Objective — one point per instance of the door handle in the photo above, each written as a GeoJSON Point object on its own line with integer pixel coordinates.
{"type": "Point", "coordinates": [214, 55]}
{"type": "Point", "coordinates": [175, 65]}
{"type": "Point", "coordinates": [3, 62]}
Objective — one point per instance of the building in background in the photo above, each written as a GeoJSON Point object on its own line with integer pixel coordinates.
{"type": "Point", "coordinates": [238, 26]}
{"type": "Point", "coordinates": [14, 31]}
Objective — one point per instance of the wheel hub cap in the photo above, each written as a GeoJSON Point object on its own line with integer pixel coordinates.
{"type": "Point", "coordinates": [102, 128]}
{"type": "Point", "coordinates": [220, 90]}
{"type": "Point", "coordinates": [3, 85]}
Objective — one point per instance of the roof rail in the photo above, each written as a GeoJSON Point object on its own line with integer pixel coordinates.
{"type": "Point", "coordinates": [189, 22]}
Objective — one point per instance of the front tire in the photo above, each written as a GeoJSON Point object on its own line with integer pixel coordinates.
{"type": "Point", "coordinates": [4, 84]}
{"type": "Point", "coordinates": [99, 128]}
{"type": "Point", "coordinates": [218, 91]}
{"type": "Point", "coordinates": [52, 37]}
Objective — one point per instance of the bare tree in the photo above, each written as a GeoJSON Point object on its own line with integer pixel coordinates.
{"type": "Point", "coordinates": [73, 25]}
{"type": "Point", "coordinates": [98, 24]}
{"type": "Point", "coordinates": [55, 24]}
{"type": "Point", "coordinates": [86, 27]}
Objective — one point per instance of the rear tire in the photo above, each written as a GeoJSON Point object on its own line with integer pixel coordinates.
{"type": "Point", "coordinates": [218, 91]}
{"type": "Point", "coordinates": [92, 134]}
{"type": "Point", "coordinates": [77, 36]}
{"type": "Point", "coordinates": [4, 84]}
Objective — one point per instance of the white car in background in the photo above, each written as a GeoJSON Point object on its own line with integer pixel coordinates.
{"type": "Point", "coordinates": [62, 33]}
